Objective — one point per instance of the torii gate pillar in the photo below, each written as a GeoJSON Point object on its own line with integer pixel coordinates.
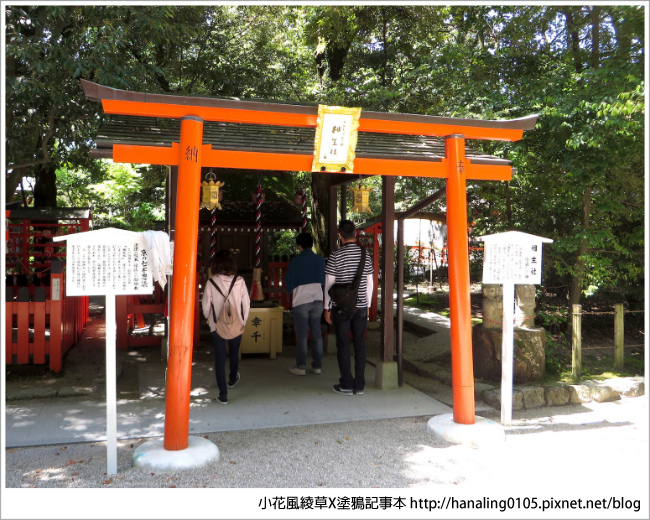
{"type": "Point", "coordinates": [460, 310]}
{"type": "Point", "coordinates": [181, 324]}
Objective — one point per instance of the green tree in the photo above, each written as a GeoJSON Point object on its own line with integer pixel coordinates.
{"type": "Point", "coordinates": [120, 195]}
{"type": "Point", "coordinates": [579, 174]}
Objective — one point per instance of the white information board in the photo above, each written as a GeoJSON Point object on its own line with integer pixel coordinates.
{"type": "Point", "coordinates": [336, 138]}
{"type": "Point", "coordinates": [107, 261]}
{"type": "Point", "coordinates": [513, 257]}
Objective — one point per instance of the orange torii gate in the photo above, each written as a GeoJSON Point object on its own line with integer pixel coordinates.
{"type": "Point", "coordinates": [190, 153]}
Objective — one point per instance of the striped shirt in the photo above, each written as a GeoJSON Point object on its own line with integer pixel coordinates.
{"type": "Point", "coordinates": [343, 264]}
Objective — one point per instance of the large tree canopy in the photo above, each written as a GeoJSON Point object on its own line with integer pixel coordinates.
{"type": "Point", "coordinates": [580, 174]}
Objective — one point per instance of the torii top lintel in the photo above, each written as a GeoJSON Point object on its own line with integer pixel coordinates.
{"type": "Point", "coordinates": [115, 101]}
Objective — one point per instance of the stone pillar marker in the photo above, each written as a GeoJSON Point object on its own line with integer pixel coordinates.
{"type": "Point", "coordinates": [511, 258]}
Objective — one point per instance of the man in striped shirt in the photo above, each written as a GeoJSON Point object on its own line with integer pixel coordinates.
{"type": "Point", "coordinates": [341, 268]}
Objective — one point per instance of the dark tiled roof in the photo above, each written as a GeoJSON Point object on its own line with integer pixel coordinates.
{"type": "Point", "coordinates": [50, 213]}
{"type": "Point", "coordinates": [98, 92]}
{"type": "Point", "coordinates": [148, 131]}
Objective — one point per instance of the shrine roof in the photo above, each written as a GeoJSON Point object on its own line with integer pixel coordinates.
{"type": "Point", "coordinates": [150, 131]}
{"type": "Point", "coordinates": [49, 213]}
{"type": "Point", "coordinates": [290, 114]}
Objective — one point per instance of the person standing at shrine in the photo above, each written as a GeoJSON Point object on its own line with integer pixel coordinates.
{"type": "Point", "coordinates": [342, 266]}
{"type": "Point", "coordinates": [226, 305]}
{"type": "Point", "coordinates": [305, 279]}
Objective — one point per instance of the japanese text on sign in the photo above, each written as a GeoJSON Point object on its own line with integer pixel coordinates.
{"type": "Point", "coordinates": [109, 266]}
{"type": "Point", "coordinates": [519, 263]}
{"type": "Point", "coordinates": [336, 138]}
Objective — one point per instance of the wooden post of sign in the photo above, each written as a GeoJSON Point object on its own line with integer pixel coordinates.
{"type": "Point", "coordinates": [111, 386]}
{"type": "Point", "coordinates": [460, 310]}
{"type": "Point", "coordinates": [181, 326]}
{"type": "Point", "coordinates": [507, 352]}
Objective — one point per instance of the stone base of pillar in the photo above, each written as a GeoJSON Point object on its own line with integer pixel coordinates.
{"type": "Point", "coordinates": [386, 375]}
{"type": "Point", "coordinates": [483, 433]}
{"type": "Point", "coordinates": [152, 456]}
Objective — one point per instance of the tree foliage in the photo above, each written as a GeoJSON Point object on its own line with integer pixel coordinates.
{"type": "Point", "coordinates": [580, 173]}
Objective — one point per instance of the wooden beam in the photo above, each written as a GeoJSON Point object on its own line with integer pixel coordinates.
{"type": "Point", "coordinates": [341, 179]}
{"type": "Point", "coordinates": [399, 329]}
{"type": "Point", "coordinates": [409, 128]}
{"type": "Point", "coordinates": [387, 350]}
{"type": "Point", "coordinates": [228, 115]}
{"type": "Point", "coordinates": [333, 224]}
{"type": "Point", "coordinates": [139, 154]}
{"type": "Point", "coordinates": [422, 204]}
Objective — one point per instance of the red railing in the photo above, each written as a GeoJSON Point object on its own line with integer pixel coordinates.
{"type": "Point", "coordinates": [41, 322]}
{"type": "Point", "coordinates": [129, 313]}
{"type": "Point", "coordinates": [41, 327]}
{"type": "Point", "coordinates": [276, 290]}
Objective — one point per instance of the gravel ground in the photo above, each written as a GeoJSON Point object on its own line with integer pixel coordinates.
{"type": "Point", "coordinates": [590, 451]}
{"type": "Point", "coordinates": [593, 451]}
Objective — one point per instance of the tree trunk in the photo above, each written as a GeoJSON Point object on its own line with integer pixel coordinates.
{"type": "Point", "coordinates": [45, 185]}
{"type": "Point", "coordinates": [573, 37]}
{"type": "Point", "coordinates": [320, 202]}
{"type": "Point", "coordinates": [595, 36]}
{"type": "Point", "coordinates": [577, 279]}
{"type": "Point", "coordinates": [12, 182]}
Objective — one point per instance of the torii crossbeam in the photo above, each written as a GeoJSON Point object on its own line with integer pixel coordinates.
{"type": "Point", "coordinates": [190, 153]}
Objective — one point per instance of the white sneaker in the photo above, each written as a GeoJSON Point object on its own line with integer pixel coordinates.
{"type": "Point", "coordinates": [298, 371]}
{"type": "Point", "coordinates": [316, 371]}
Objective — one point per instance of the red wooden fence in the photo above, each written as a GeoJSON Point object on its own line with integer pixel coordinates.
{"type": "Point", "coordinates": [41, 322]}
{"type": "Point", "coordinates": [40, 327]}
{"type": "Point", "coordinates": [276, 289]}
{"type": "Point", "coordinates": [129, 313]}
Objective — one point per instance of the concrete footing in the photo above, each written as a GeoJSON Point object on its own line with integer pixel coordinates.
{"type": "Point", "coordinates": [152, 456]}
{"type": "Point", "coordinates": [386, 375]}
{"type": "Point", "coordinates": [482, 433]}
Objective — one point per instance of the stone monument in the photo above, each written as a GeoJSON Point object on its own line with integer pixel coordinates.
{"type": "Point", "coordinates": [529, 341]}
{"type": "Point", "coordinates": [492, 306]}
{"type": "Point", "coordinates": [525, 306]}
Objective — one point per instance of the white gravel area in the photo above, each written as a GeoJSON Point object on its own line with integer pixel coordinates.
{"type": "Point", "coordinates": [591, 451]}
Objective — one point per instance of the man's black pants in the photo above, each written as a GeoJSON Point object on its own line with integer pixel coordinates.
{"type": "Point", "coordinates": [343, 328]}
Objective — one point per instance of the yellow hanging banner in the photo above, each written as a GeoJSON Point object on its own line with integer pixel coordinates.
{"type": "Point", "coordinates": [336, 139]}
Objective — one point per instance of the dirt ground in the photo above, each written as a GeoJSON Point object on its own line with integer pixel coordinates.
{"type": "Point", "coordinates": [597, 328]}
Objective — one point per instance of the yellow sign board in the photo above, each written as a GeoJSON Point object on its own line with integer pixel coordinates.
{"type": "Point", "coordinates": [336, 139]}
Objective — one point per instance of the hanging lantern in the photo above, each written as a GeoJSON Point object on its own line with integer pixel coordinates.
{"type": "Point", "coordinates": [297, 198]}
{"type": "Point", "coordinates": [211, 195]}
{"type": "Point", "coordinates": [361, 199]}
